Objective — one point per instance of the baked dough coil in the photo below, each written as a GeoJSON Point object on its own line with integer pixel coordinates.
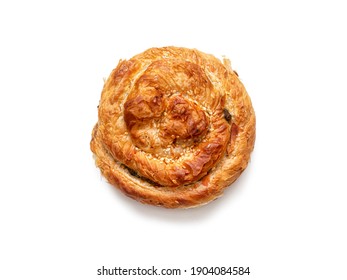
{"type": "Point", "coordinates": [175, 127]}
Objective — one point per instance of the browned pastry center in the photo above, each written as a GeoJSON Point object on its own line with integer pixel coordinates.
{"type": "Point", "coordinates": [175, 127]}
{"type": "Point", "coordinates": [167, 123]}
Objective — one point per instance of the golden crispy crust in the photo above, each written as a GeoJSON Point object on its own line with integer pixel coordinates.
{"type": "Point", "coordinates": [176, 127]}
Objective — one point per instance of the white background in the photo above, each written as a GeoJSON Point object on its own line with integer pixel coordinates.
{"type": "Point", "coordinates": [285, 217]}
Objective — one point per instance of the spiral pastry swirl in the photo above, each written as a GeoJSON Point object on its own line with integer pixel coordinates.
{"type": "Point", "coordinates": [175, 127]}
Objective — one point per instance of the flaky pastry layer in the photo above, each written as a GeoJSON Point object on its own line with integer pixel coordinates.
{"type": "Point", "coordinates": [175, 127]}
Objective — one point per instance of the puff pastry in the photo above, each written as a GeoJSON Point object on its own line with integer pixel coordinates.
{"type": "Point", "coordinates": [175, 127]}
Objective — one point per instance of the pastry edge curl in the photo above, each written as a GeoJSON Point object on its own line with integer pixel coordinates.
{"type": "Point", "coordinates": [200, 193]}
